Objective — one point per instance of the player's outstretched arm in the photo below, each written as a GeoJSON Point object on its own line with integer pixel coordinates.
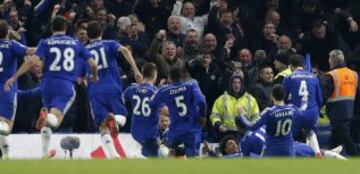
{"type": "Point", "coordinates": [94, 70]}
{"type": "Point", "coordinates": [129, 58]}
{"type": "Point", "coordinates": [28, 63]}
{"type": "Point", "coordinates": [244, 122]}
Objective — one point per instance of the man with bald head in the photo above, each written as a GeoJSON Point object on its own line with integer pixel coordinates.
{"type": "Point", "coordinates": [174, 33]}
{"type": "Point", "coordinates": [251, 72]}
{"type": "Point", "coordinates": [220, 53]}
{"type": "Point", "coordinates": [283, 46]}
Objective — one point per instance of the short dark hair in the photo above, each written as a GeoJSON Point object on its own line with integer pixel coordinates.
{"type": "Point", "coordinates": [149, 70]}
{"type": "Point", "coordinates": [263, 66]}
{"type": "Point", "coordinates": [296, 60]}
{"type": "Point", "coordinates": [4, 29]}
{"type": "Point", "coordinates": [59, 23]}
{"type": "Point", "coordinates": [278, 92]}
{"type": "Point", "coordinates": [226, 11]}
{"type": "Point", "coordinates": [94, 29]}
{"type": "Point", "coordinates": [176, 73]}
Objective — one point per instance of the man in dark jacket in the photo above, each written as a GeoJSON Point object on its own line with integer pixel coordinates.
{"type": "Point", "coordinates": [263, 87]}
{"type": "Point", "coordinates": [340, 91]}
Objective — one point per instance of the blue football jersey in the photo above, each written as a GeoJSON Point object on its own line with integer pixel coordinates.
{"type": "Point", "coordinates": [303, 90]}
{"type": "Point", "coordinates": [186, 104]}
{"type": "Point", "coordinates": [10, 52]}
{"type": "Point", "coordinates": [59, 54]}
{"type": "Point", "coordinates": [106, 54]}
{"type": "Point", "coordinates": [278, 121]}
{"type": "Point", "coordinates": [253, 142]}
{"type": "Point", "coordinates": [144, 120]}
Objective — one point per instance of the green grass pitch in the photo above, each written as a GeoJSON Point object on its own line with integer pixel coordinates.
{"type": "Point", "coordinates": [206, 166]}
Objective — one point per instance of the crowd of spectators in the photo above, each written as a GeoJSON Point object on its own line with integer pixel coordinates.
{"type": "Point", "coordinates": [210, 38]}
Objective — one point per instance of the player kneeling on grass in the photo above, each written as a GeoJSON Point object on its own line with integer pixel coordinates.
{"type": "Point", "coordinates": [253, 143]}
{"type": "Point", "coordinates": [105, 95]}
{"type": "Point", "coordinates": [144, 125]}
{"type": "Point", "coordinates": [10, 53]}
{"type": "Point", "coordinates": [278, 120]}
{"type": "Point", "coordinates": [187, 106]}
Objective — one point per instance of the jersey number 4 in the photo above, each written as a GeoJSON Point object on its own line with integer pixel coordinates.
{"type": "Point", "coordinates": [68, 62]}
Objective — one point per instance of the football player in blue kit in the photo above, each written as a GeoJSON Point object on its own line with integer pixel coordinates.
{"type": "Point", "coordinates": [303, 91]}
{"type": "Point", "coordinates": [10, 52]}
{"type": "Point", "coordinates": [278, 120]}
{"type": "Point", "coordinates": [186, 106]}
{"type": "Point", "coordinates": [105, 94]}
{"type": "Point", "coordinates": [144, 125]}
{"type": "Point", "coordinates": [253, 142]}
{"type": "Point", "coordinates": [58, 55]}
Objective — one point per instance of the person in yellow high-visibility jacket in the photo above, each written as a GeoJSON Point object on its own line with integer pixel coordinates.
{"type": "Point", "coordinates": [225, 107]}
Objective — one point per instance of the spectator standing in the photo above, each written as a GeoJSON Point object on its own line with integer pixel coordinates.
{"type": "Point", "coordinates": [263, 87]}
{"type": "Point", "coordinates": [341, 89]}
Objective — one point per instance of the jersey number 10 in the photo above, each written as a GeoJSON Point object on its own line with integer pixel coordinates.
{"type": "Point", "coordinates": [283, 127]}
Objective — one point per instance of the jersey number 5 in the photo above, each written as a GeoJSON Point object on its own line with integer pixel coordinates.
{"type": "Point", "coordinates": [179, 101]}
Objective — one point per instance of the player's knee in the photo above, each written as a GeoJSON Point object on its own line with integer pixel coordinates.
{"type": "Point", "coordinates": [4, 128]}
{"type": "Point", "coordinates": [120, 120]}
{"type": "Point", "coordinates": [52, 120]}
{"type": "Point", "coordinates": [164, 151]}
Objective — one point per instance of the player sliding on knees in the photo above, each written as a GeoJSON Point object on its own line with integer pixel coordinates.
{"type": "Point", "coordinates": [278, 120]}
{"type": "Point", "coordinates": [59, 54]}
{"type": "Point", "coordinates": [10, 53]}
{"type": "Point", "coordinates": [144, 125]}
{"type": "Point", "coordinates": [105, 95]}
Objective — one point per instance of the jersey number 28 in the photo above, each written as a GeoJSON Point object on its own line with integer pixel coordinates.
{"type": "Point", "coordinates": [68, 62]}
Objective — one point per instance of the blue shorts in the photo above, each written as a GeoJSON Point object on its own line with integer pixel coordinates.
{"type": "Point", "coordinates": [190, 140]}
{"type": "Point", "coordinates": [279, 150]}
{"type": "Point", "coordinates": [57, 93]}
{"type": "Point", "coordinates": [8, 103]}
{"type": "Point", "coordinates": [303, 150]}
{"type": "Point", "coordinates": [103, 104]}
{"type": "Point", "coordinates": [307, 121]}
